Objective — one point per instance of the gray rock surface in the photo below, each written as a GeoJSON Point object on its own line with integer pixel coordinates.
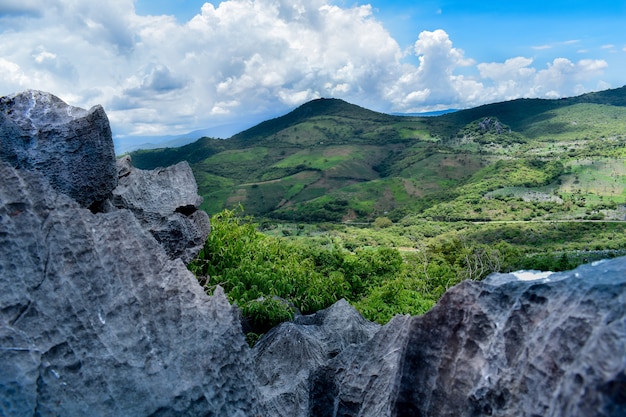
{"type": "Point", "coordinates": [555, 347]}
{"type": "Point", "coordinates": [505, 347]}
{"type": "Point", "coordinates": [96, 320]}
{"type": "Point", "coordinates": [165, 201]}
{"type": "Point", "coordinates": [289, 353]}
{"type": "Point", "coordinates": [361, 380]}
{"type": "Point", "coordinates": [71, 147]}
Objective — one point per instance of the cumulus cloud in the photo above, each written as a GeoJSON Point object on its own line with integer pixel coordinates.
{"type": "Point", "coordinates": [242, 58]}
{"type": "Point", "coordinates": [516, 78]}
{"type": "Point", "coordinates": [564, 77]}
{"type": "Point", "coordinates": [434, 80]}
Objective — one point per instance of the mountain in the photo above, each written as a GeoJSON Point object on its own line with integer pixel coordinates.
{"type": "Point", "coordinates": [128, 144]}
{"type": "Point", "coordinates": [329, 160]}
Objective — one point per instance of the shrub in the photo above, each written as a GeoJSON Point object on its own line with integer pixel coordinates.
{"type": "Point", "coordinates": [382, 222]}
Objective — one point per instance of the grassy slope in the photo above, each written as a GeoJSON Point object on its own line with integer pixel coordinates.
{"type": "Point", "coordinates": [330, 161]}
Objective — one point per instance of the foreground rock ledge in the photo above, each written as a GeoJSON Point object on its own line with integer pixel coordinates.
{"type": "Point", "coordinates": [502, 347]}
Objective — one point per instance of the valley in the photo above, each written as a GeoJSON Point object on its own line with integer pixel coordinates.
{"type": "Point", "coordinates": [335, 201]}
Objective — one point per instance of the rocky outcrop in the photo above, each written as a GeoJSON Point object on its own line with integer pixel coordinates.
{"type": "Point", "coordinates": [550, 348]}
{"type": "Point", "coordinates": [505, 347]}
{"type": "Point", "coordinates": [95, 318]}
{"type": "Point", "coordinates": [70, 146]}
{"type": "Point", "coordinates": [73, 149]}
{"type": "Point", "coordinates": [288, 354]}
{"type": "Point", "coordinates": [165, 201]}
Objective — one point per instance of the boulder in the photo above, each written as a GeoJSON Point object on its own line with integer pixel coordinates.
{"type": "Point", "coordinates": [70, 146]}
{"type": "Point", "coordinates": [505, 347]}
{"type": "Point", "coordinates": [165, 201]}
{"type": "Point", "coordinates": [96, 319]}
{"type": "Point", "coordinates": [288, 354]}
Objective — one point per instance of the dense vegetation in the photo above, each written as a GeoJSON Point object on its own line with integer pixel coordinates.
{"type": "Point", "coordinates": [390, 211]}
{"type": "Point", "coordinates": [383, 270]}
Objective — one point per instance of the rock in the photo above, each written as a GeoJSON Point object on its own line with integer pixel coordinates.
{"type": "Point", "coordinates": [165, 200]}
{"type": "Point", "coordinates": [71, 147]}
{"type": "Point", "coordinates": [74, 150]}
{"type": "Point", "coordinates": [287, 355]}
{"type": "Point", "coordinates": [550, 347]}
{"type": "Point", "coordinates": [95, 318]}
{"type": "Point", "coordinates": [361, 380]}
{"type": "Point", "coordinates": [505, 347]}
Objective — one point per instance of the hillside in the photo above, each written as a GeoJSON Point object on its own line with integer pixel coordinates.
{"type": "Point", "coordinates": [328, 160]}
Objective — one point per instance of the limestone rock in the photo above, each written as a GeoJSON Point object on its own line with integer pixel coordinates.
{"type": "Point", "coordinates": [165, 200]}
{"type": "Point", "coordinates": [361, 381]}
{"type": "Point", "coordinates": [96, 320]}
{"type": "Point", "coordinates": [505, 347]}
{"type": "Point", "coordinates": [286, 357]}
{"type": "Point", "coordinates": [70, 146]}
{"type": "Point", "coordinates": [553, 347]}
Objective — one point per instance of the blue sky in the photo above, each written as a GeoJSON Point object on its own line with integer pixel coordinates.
{"type": "Point", "coordinates": [169, 67]}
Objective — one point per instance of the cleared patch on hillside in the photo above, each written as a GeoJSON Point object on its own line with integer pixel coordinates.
{"type": "Point", "coordinates": [597, 177]}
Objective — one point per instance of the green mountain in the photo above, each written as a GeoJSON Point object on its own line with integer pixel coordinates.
{"type": "Point", "coordinates": [328, 160]}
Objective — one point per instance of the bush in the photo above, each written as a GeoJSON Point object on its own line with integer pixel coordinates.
{"type": "Point", "coordinates": [256, 271]}
{"type": "Point", "coordinates": [382, 222]}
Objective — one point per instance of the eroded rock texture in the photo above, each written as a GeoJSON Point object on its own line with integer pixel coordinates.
{"type": "Point", "coordinates": [97, 320]}
{"type": "Point", "coordinates": [165, 201]}
{"type": "Point", "coordinates": [70, 146]}
{"type": "Point", "coordinates": [287, 356]}
{"type": "Point", "coordinates": [549, 348]}
{"type": "Point", "coordinates": [502, 347]}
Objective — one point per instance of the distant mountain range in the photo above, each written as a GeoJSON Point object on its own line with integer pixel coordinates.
{"type": "Point", "coordinates": [127, 144]}
{"type": "Point", "coordinates": [328, 160]}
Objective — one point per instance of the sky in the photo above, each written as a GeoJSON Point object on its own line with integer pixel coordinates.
{"type": "Point", "coordinates": [169, 67]}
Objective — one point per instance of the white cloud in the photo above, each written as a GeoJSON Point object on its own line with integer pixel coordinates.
{"type": "Point", "coordinates": [563, 77]}
{"type": "Point", "coordinates": [13, 74]}
{"type": "Point", "coordinates": [434, 79]}
{"type": "Point", "coordinates": [242, 58]}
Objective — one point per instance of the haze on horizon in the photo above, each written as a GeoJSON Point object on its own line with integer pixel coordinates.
{"type": "Point", "coordinates": [169, 67]}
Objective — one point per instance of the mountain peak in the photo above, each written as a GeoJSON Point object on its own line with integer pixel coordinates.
{"type": "Point", "coordinates": [315, 108]}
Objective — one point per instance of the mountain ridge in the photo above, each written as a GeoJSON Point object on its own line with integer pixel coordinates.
{"type": "Point", "coordinates": [298, 166]}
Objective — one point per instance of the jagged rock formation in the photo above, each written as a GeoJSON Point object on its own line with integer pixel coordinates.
{"type": "Point", "coordinates": [95, 318]}
{"type": "Point", "coordinates": [166, 202]}
{"type": "Point", "coordinates": [70, 146]}
{"type": "Point", "coordinates": [551, 348]}
{"type": "Point", "coordinates": [288, 354]}
{"type": "Point", "coordinates": [504, 347]}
